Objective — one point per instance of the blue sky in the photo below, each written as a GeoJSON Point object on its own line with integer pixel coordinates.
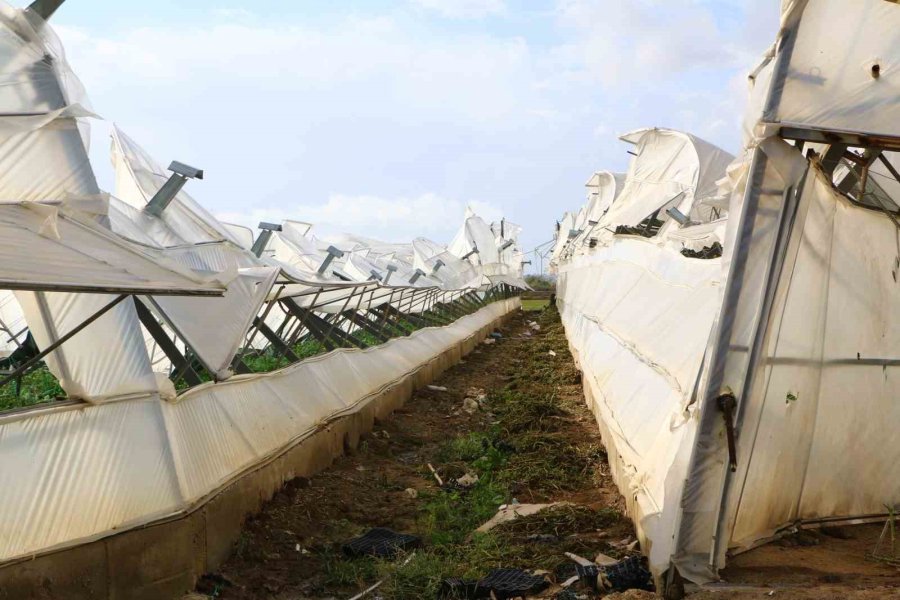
{"type": "Point", "coordinates": [388, 118]}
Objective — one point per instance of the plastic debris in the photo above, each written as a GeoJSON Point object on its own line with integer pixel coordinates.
{"type": "Point", "coordinates": [378, 584]}
{"type": "Point", "coordinates": [412, 493]}
{"type": "Point", "coordinates": [489, 341]}
{"type": "Point", "coordinates": [604, 560]}
{"type": "Point", "coordinates": [589, 575]}
{"type": "Point", "coordinates": [578, 560]}
{"type": "Point", "coordinates": [499, 583]}
{"type": "Point", "coordinates": [437, 477]}
{"type": "Point", "coordinates": [454, 587]}
{"type": "Point", "coordinates": [470, 405]}
{"type": "Point", "coordinates": [382, 543]}
{"type": "Point", "coordinates": [552, 353]}
{"type": "Point", "coordinates": [437, 388]}
{"type": "Point", "coordinates": [628, 574]}
{"type": "Point", "coordinates": [511, 512]}
{"type": "Point", "coordinates": [497, 335]}
{"type": "Point", "coordinates": [512, 583]}
{"type": "Point", "coordinates": [467, 480]}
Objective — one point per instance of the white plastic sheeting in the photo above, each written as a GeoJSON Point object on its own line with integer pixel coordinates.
{"type": "Point", "coordinates": [796, 320]}
{"type": "Point", "coordinates": [143, 459]}
{"type": "Point", "coordinates": [139, 177]}
{"type": "Point", "coordinates": [215, 327]}
{"type": "Point", "coordinates": [841, 66]}
{"type": "Point", "coordinates": [603, 189]}
{"type": "Point", "coordinates": [476, 234]}
{"type": "Point", "coordinates": [436, 261]}
{"type": "Point", "coordinates": [671, 170]}
{"type": "Point", "coordinates": [134, 452]}
{"type": "Point", "coordinates": [638, 317]}
{"type": "Point", "coordinates": [107, 363]}
{"type": "Point", "coordinates": [47, 247]}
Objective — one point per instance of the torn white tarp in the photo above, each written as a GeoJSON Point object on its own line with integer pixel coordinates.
{"type": "Point", "coordinates": [837, 68]}
{"type": "Point", "coordinates": [42, 144]}
{"type": "Point", "coordinates": [671, 170]}
{"type": "Point", "coordinates": [46, 248]}
{"type": "Point", "coordinates": [603, 189]}
{"type": "Point", "coordinates": [475, 235]}
{"type": "Point", "coordinates": [139, 177]}
{"type": "Point", "coordinates": [215, 327]}
{"type": "Point", "coordinates": [86, 367]}
{"type": "Point", "coordinates": [452, 272]}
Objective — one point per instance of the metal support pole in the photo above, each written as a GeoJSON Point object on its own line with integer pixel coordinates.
{"type": "Point", "coordinates": [178, 360]}
{"type": "Point", "coordinates": [279, 344]}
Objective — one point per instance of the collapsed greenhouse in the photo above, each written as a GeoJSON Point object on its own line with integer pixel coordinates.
{"type": "Point", "coordinates": [737, 340]}
{"type": "Point", "coordinates": [203, 365]}
{"type": "Point", "coordinates": [731, 317]}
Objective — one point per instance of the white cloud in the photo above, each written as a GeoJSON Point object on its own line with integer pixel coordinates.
{"type": "Point", "coordinates": [644, 41]}
{"type": "Point", "coordinates": [477, 77]}
{"type": "Point", "coordinates": [389, 219]}
{"type": "Point", "coordinates": [463, 9]}
{"type": "Point", "coordinates": [282, 114]}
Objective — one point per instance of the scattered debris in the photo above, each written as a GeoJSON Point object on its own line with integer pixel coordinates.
{"type": "Point", "coordinates": [378, 584]}
{"type": "Point", "coordinates": [437, 388]}
{"type": "Point", "coordinates": [454, 588]}
{"type": "Point", "coordinates": [604, 560]}
{"type": "Point", "coordinates": [578, 560]}
{"type": "Point", "coordinates": [368, 590]}
{"type": "Point", "coordinates": [497, 335]}
{"type": "Point", "coordinates": [552, 353]}
{"type": "Point", "coordinates": [382, 543]}
{"type": "Point", "coordinates": [489, 341]}
{"type": "Point", "coordinates": [467, 480]}
{"type": "Point", "coordinates": [477, 393]}
{"type": "Point", "coordinates": [534, 326]}
{"type": "Point", "coordinates": [470, 406]}
{"type": "Point", "coordinates": [589, 575]}
{"type": "Point", "coordinates": [707, 253]}
{"type": "Point", "coordinates": [511, 512]}
{"type": "Point", "coordinates": [535, 402]}
{"type": "Point", "coordinates": [628, 574]}
{"type": "Point", "coordinates": [621, 544]}
{"type": "Point", "coordinates": [802, 538]}
{"type": "Point", "coordinates": [437, 477]}
{"type": "Point", "coordinates": [512, 583]}
{"type": "Point", "coordinates": [499, 583]}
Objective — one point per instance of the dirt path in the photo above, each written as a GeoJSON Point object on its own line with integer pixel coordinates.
{"type": "Point", "coordinates": [530, 439]}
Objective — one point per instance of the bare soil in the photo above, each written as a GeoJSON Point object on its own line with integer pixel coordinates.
{"type": "Point", "coordinates": [832, 564]}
